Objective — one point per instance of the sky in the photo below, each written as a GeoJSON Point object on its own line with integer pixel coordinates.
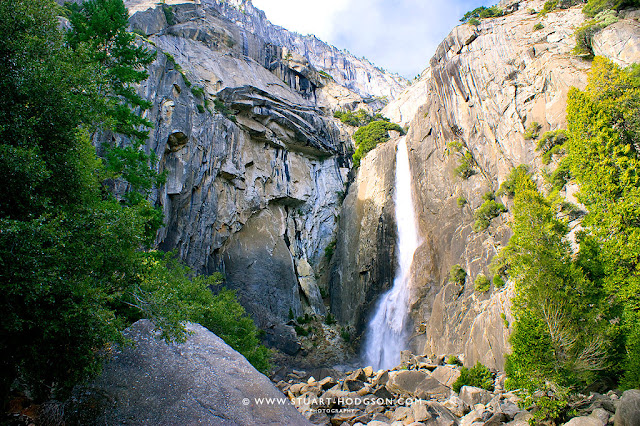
{"type": "Point", "coordinates": [398, 35]}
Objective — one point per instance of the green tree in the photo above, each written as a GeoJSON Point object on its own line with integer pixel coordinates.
{"type": "Point", "coordinates": [559, 334]}
{"type": "Point", "coordinates": [99, 35]}
{"type": "Point", "coordinates": [369, 136]}
{"type": "Point", "coordinates": [603, 157]}
{"type": "Point", "coordinates": [75, 265]}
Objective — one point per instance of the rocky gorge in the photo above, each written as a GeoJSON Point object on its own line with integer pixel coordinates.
{"type": "Point", "coordinates": [260, 186]}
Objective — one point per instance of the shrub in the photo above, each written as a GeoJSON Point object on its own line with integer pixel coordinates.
{"type": "Point", "coordinates": [482, 12]}
{"type": "Point", "coordinates": [548, 7]}
{"type": "Point", "coordinates": [461, 201]}
{"type": "Point", "coordinates": [329, 319]}
{"type": "Point", "coordinates": [538, 26]}
{"type": "Point", "coordinates": [301, 331]}
{"type": "Point", "coordinates": [551, 143]}
{"type": "Point", "coordinates": [482, 283]}
{"type": "Point", "coordinates": [508, 187]}
{"type": "Point", "coordinates": [359, 118]}
{"type": "Point", "coordinates": [345, 333]}
{"type": "Point", "coordinates": [489, 210]}
{"type": "Point", "coordinates": [474, 22]}
{"type": "Point", "coordinates": [329, 250]}
{"type": "Point", "coordinates": [223, 109]}
{"type": "Point", "coordinates": [169, 15]}
{"type": "Point", "coordinates": [478, 376]}
{"type": "Point", "coordinates": [200, 108]}
{"type": "Point", "coordinates": [198, 91]}
{"type": "Point", "coordinates": [533, 131]}
{"type": "Point", "coordinates": [369, 136]}
{"type": "Point", "coordinates": [584, 35]}
{"type": "Point", "coordinates": [457, 274]}
{"type": "Point", "coordinates": [593, 7]}
{"type": "Point", "coordinates": [453, 360]}
{"type": "Point", "coordinates": [498, 282]}
{"type": "Point", "coordinates": [465, 168]}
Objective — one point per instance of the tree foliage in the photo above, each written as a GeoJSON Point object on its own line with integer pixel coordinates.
{"type": "Point", "coordinates": [369, 136]}
{"type": "Point", "coordinates": [576, 308]}
{"type": "Point", "coordinates": [478, 375]}
{"type": "Point", "coordinates": [75, 261]}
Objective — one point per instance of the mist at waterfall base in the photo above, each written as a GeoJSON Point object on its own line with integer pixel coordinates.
{"type": "Point", "coordinates": [388, 331]}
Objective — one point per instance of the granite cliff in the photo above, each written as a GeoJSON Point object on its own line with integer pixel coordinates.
{"type": "Point", "coordinates": [259, 180]}
{"type": "Point", "coordinates": [483, 88]}
{"type": "Point", "coordinates": [256, 165]}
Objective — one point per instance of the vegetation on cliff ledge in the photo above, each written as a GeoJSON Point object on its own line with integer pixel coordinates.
{"type": "Point", "coordinates": [370, 136]}
{"type": "Point", "coordinates": [75, 257]}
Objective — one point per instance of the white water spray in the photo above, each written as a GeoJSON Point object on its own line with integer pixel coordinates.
{"type": "Point", "coordinates": [388, 331]}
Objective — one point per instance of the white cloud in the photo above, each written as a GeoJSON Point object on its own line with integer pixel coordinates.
{"type": "Point", "coordinates": [303, 17]}
{"type": "Point", "coordinates": [399, 35]}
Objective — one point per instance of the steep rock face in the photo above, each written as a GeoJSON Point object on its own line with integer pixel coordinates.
{"type": "Point", "coordinates": [255, 166]}
{"type": "Point", "coordinates": [357, 74]}
{"type": "Point", "coordinates": [364, 260]}
{"type": "Point", "coordinates": [201, 381]}
{"type": "Point", "coordinates": [484, 86]}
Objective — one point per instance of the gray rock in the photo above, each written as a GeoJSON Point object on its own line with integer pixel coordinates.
{"type": "Point", "coordinates": [619, 42]}
{"type": "Point", "coordinates": [200, 381]}
{"type": "Point", "coordinates": [472, 395]}
{"type": "Point", "coordinates": [585, 421]}
{"type": "Point", "coordinates": [628, 410]}
{"type": "Point", "coordinates": [446, 375]}
{"type": "Point", "coordinates": [416, 384]}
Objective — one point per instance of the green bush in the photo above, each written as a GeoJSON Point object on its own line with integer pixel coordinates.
{"type": "Point", "coordinates": [345, 333]}
{"type": "Point", "coordinates": [489, 210]}
{"type": "Point", "coordinates": [198, 91]}
{"type": "Point", "coordinates": [593, 7]}
{"type": "Point", "coordinates": [548, 7]}
{"type": "Point", "coordinates": [223, 109]}
{"type": "Point", "coordinates": [329, 250]}
{"type": "Point", "coordinates": [498, 282]}
{"type": "Point", "coordinates": [478, 376]}
{"type": "Point", "coordinates": [482, 283]}
{"type": "Point", "coordinates": [169, 15]}
{"type": "Point", "coordinates": [200, 108]}
{"type": "Point", "coordinates": [453, 360]}
{"type": "Point", "coordinates": [465, 168]}
{"type": "Point", "coordinates": [461, 202]}
{"type": "Point", "coordinates": [533, 131]}
{"type": "Point", "coordinates": [359, 118]}
{"type": "Point", "coordinates": [538, 26]}
{"type": "Point", "coordinates": [474, 21]}
{"type": "Point", "coordinates": [482, 12]}
{"type": "Point", "coordinates": [508, 187]}
{"type": "Point", "coordinates": [551, 143]}
{"type": "Point", "coordinates": [301, 331]}
{"type": "Point", "coordinates": [584, 38]}
{"type": "Point", "coordinates": [457, 274]}
{"type": "Point", "coordinates": [329, 319]}
{"type": "Point", "coordinates": [369, 136]}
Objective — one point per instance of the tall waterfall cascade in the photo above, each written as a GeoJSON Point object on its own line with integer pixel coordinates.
{"type": "Point", "coordinates": [388, 330]}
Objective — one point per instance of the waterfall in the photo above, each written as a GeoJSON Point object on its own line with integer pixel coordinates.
{"type": "Point", "coordinates": [388, 331]}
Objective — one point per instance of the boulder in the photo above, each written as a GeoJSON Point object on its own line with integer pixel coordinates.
{"type": "Point", "coordinates": [200, 381]}
{"type": "Point", "coordinates": [585, 421]}
{"type": "Point", "coordinates": [353, 385]}
{"type": "Point", "coordinates": [472, 395]}
{"type": "Point", "coordinates": [446, 375]}
{"type": "Point", "coordinates": [417, 384]}
{"type": "Point", "coordinates": [456, 406]}
{"type": "Point", "coordinates": [628, 410]}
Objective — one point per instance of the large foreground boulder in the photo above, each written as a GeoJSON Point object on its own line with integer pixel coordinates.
{"type": "Point", "coordinates": [202, 381]}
